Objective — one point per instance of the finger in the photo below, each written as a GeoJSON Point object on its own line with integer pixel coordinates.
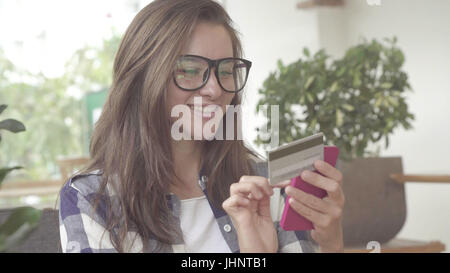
{"type": "Point", "coordinates": [247, 189]}
{"type": "Point", "coordinates": [260, 181]}
{"type": "Point", "coordinates": [328, 170]}
{"type": "Point", "coordinates": [234, 202]}
{"type": "Point", "coordinates": [336, 202]}
{"type": "Point", "coordinates": [330, 186]}
{"type": "Point", "coordinates": [318, 219]}
{"type": "Point", "coordinates": [282, 184]}
{"type": "Point", "coordinates": [309, 200]}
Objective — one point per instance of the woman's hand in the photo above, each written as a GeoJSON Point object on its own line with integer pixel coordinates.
{"type": "Point", "coordinates": [249, 209]}
{"type": "Point", "coordinates": [326, 213]}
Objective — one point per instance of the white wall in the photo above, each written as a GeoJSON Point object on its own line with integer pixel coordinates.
{"type": "Point", "coordinates": [277, 30]}
{"type": "Point", "coordinates": [270, 31]}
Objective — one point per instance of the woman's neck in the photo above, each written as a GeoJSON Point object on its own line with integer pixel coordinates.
{"type": "Point", "coordinates": [187, 164]}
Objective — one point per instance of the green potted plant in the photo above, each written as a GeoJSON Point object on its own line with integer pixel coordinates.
{"type": "Point", "coordinates": [356, 101]}
{"type": "Point", "coordinates": [22, 220]}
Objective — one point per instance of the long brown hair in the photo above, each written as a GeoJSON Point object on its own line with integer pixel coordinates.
{"type": "Point", "coordinates": [131, 138]}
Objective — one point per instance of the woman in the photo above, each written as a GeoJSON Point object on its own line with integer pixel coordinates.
{"type": "Point", "coordinates": [145, 190]}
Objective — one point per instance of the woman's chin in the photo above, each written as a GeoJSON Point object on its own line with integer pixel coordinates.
{"type": "Point", "coordinates": [205, 134]}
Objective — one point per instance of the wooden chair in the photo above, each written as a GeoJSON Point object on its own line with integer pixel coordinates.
{"type": "Point", "coordinates": [375, 209]}
{"type": "Point", "coordinates": [69, 166]}
{"type": "Point", "coordinates": [48, 187]}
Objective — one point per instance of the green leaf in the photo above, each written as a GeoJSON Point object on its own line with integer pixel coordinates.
{"type": "Point", "coordinates": [334, 87]}
{"type": "Point", "coordinates": [306, 52]}
{"type": "Point", "coordinates": [12, 125]}
{"type": "Point", "coordinates": [341, 71]}
{"type": "Point", "coordinates": [18, 225]}
{"type": "Point", "coordinates": [3, 107]}
{"type": "Point", "coordinates": [280, 64]}
{"type": "Point", "coordinates": [348, 107]}
{"type": "Point", "coordinates": [356, 80]}
{"type": "Point", "coordinates": [5, 171]}
{"type": "Point", "coordinates": [312, 124]}
{"type": "Point", "coordinates": [339, 118]}
{"type": "Point", "coordinates": [302, 100]}
{"type": "Point", "coordinates": [309, 82]}
{"type": "Point", "coordinates": [386, 85]}
{"type": "Point", "coordinates": [309, 98]}
{"type": "Point", "coordinates": [393, 101]}
{"type": "Point", "coordinates": [378, 101]}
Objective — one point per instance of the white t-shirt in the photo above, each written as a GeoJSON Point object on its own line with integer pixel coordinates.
{"type": "Point", "coordinates": [201, 232]}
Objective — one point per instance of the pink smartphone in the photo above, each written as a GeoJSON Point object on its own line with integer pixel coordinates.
{"type": "Point", "coordinates": [290, 219]}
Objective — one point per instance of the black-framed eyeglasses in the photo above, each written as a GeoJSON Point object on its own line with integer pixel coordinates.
{"type": "Point", "coordinates": [192, 72]}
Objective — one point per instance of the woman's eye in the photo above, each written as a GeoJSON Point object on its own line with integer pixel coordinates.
{"type": "Point", "coordinates": [226, 73]}
{"type": "Point", "coordinates": [189, 72]}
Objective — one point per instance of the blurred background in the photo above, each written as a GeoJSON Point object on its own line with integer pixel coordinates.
{"type": "Point", "coordinates": [56, 65]}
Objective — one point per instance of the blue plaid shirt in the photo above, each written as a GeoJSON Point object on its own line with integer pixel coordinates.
{"type": "Point", "coordinates": [83, 230]}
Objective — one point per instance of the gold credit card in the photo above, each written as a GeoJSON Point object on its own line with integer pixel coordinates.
{"type": "Point", "coordinates": [289, 160]}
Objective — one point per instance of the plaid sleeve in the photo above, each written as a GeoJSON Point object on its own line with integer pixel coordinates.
{"type": "Point", "coordinates": [81, 228]}
{"type": "Point", "coordinates": [292, 241]}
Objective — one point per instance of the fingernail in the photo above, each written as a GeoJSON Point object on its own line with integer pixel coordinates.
{"type": "Point", "coordinates": [288, 189]}
{"type": "Point", "coordinates": [286, 182]}
{"type": "Point", "coordinates": [281, 184]}
{"type": "Point", "coordinates": [305, 174]}
{"type": "Point", "coordinates": [320, 163]}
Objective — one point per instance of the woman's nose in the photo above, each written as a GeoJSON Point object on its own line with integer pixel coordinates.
{"type": "Point", "coordinates": [212, 87]}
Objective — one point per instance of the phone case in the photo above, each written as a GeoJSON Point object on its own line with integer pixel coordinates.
{"type": "Point", "coordinates": [290, 219]}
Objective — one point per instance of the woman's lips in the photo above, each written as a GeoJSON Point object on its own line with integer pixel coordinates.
{"type": "Point", "coordinates": [205, 111]}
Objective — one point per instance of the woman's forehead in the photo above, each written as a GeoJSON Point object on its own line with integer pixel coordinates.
{"type": "Point", "coordinates": [209, 40]}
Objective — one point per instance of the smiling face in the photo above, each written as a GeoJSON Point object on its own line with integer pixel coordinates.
{"type": "Point", "coordinates": [211, 41]}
